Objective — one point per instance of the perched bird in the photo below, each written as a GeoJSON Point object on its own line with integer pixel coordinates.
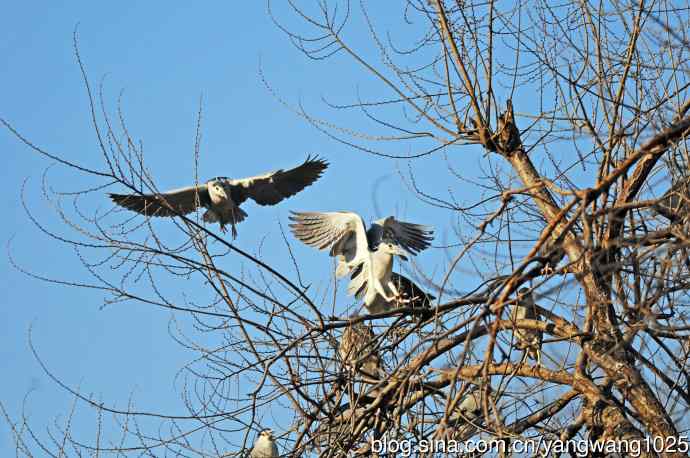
{"type": "Point", "coordinates": [468, 414]}
{"type": "Point", "coordinates": [470, 407]}
{"type": "Point", "coordinates": [223, 196]}
{"type": "Point", "coordinates": [265, 446]}
{"type": "Point", "coordinates": [357, 342]}
{"type": "Point", "coordinates": [527, 340]}
{"type": "Point", "coordinates": [366, 254]}
{"type": "Point", "coordinates": [675, 202]}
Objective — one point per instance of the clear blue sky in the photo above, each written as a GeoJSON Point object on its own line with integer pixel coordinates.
{"type": "Point", "coordinates": [164, 57]}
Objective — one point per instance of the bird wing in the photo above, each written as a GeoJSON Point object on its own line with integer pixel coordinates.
{"type": "Point", "coordinates": [176, 202]}
{"type": "Point", "coordinates": [343, 232]}
{"type": "Point", "coordinates": [412, 237]}
{"type": "Point", "coordinates": [410, 290]}
{"type": "Point", "coordinates": [271, 188]}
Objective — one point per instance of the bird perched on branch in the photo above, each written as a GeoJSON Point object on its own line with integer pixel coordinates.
{"type": "Point", "coordinates": [675, 202]}
{"type": "Point", "coordinates": [527, 340]}
{"type": "Point", "coordinates": [265, 446]}
{"type": "Point", "coordinates": [470, 407]}
{"type": "Point", "coordinates": [366, 254]}
{"type": "Point", "coordinates": [468, 413]}
{"type": "Point", "coordinates": [223, 196]}
{"type": "Point", "coordinates": [357, 342]}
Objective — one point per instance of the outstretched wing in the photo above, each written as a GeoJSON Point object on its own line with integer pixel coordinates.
{"type": "Point", "coordinates": [412, 237]}
{"type": "Point", "coordinates": [176, 202]}
{"type": "Point", "coordinates": [271, 188]}
{"type": "Point", "coordinates": [342, 232]}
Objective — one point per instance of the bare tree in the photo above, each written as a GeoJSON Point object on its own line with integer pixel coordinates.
{"type": "Point", "coordinates": [581, 113]}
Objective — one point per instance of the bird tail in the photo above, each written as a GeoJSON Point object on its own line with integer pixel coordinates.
{"type": "Point", "coordinates": [238, 215]}
{"type": "Point", "coordinates": [210, 217]}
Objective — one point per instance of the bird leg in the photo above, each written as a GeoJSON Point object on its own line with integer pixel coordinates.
{"type": "Point", "coordinates": [381, 291]}
{"type": "Point", "coordinates": [397, 295]}
{"type": "Point", "coordinates": [547, 270]}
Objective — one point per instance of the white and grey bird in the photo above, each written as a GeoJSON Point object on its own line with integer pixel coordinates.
{"type": "Point", "coordinates": [527, 340]}
{"type": "Point", "coordinates": [469, 412]}
{"type": "Point", "coordinates": [265, 446]}
{"type": "Point", "coordinates": [358, 343]}
{"type": "Point", "coordinates": [470, 407]}
{"type": "Point", "coordinates": [223, 196]}
{"type": "Point", "coordinates": [366, 254]}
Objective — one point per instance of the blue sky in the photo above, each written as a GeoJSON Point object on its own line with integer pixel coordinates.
{"type": "Point", "coordinates": [164, 58]}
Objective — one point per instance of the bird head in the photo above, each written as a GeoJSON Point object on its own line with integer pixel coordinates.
{"type": "Point", "coordinates": [216, 189]}
{"type": "Point", "coordinates": [267, 434]}
{"type": "Point", "coordinates": [392, 248]}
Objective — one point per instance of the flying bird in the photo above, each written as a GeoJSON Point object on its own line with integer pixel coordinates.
{"type": "Point", "coordinates": [527, 340]}
{"type": "Point", "coordinates": [265, 446]}
{"type": "Point", "coordinates": [357, 343]}
{"type": "Point", "coordinates": [366, 254]}
{"type": "Point", "coordinates": [222, 196]}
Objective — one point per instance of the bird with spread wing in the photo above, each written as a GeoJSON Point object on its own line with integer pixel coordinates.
{"type": "Point", "coordinates": [223, 196]}
{"type": "Point", "coordinates": [366, 254]}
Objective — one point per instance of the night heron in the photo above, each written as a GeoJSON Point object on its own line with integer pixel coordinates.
{"type": "Point", "coordinates": [470, 407]}
{"type": "Point", "coordinates": [366, 254]}
{"type": "Point", "coordinates": [675, 202]}
{"type": "Point", "coordinates": [223, 196]}
{"type": "Point", "coordinates": [468, 414]}
{"type": "Point", "coordinates": [418, 299]}
{"type": "Point", "coordinates": [265, 446]}
{"type": "Point", "coordinates": [358, 345]}
{"type": "Point", "coordinates": [527, 340]}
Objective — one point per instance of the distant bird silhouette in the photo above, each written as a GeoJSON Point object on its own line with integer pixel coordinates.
{"type": "Point", "coordinates": [223, 196]}
{"type": "Point", "coordinates": [366, 254]}
{"type": "Point", "coordinates": [265, 446]}
{"type": "Point", "coordinates": [527, 340]}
